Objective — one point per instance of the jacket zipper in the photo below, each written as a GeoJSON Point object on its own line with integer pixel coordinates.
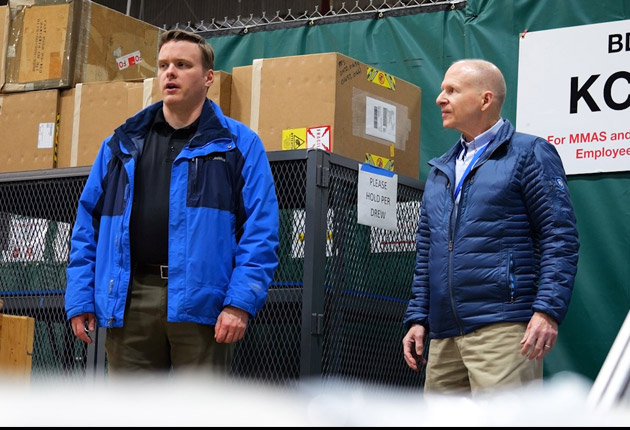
{"type": "Point", "coordinates": [451, 246]}
{"type": "Point", "coordinates": [511, 281]}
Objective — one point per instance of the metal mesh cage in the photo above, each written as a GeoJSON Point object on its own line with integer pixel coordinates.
{"type": "Point", "coordinates": [37, 210]}
{"type": "Point", "coordinates": [335, 307]}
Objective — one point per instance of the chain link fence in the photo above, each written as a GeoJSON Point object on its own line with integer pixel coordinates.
{"type": "Point", "coordinates": [261, 20]}
{"type": "Point", "coordinates": [335, 307]}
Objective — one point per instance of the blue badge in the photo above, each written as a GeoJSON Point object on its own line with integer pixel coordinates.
{"type": "Point", "coordinates": [559, 183]}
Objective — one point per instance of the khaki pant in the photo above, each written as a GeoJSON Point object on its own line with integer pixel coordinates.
{"type": "Point", "coordinates": [479, 362]}
{"type": "Point", "coordinates": [148, 343]}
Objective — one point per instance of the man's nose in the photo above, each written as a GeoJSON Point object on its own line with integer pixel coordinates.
{"type": "Point", "coordinates": [170, 69]}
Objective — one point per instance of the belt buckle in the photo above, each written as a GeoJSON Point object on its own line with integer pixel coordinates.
{"type": "Point", "coordinates": [163, 272]}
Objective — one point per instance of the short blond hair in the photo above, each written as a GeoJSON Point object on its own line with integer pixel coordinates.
{"type": "Point", "coordinates": [207, 53]}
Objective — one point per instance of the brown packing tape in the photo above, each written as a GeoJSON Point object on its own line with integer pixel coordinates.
{"type": "Point", "coordinates": [76, 124]}
{"type": "Point", "coordinates": [5, 25]}
{"type": "Point", "coordinates": [257, 67]}
{"type": "Point", "coordinates": [150, 92]}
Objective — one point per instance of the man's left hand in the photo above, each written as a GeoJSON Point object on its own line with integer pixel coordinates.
{"type": "Point", "coordinates": [540, 336]}
{"type": "Point", "coordinates": [231, 325]}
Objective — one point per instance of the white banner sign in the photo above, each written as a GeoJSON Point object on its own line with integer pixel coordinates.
{"type": "Point", "coordinates": [574, 91]}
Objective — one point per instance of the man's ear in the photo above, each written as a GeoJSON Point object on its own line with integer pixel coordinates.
{"type": "Point", "coordinates": [486, 100]}
{"type": "Point", "coordinates": [209, 78]}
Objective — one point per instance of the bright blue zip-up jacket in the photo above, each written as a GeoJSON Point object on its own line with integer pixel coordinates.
{"type": "Point", "coordinates": [511, 247]}
{"type": "Point", "coordinates": [223, 223]}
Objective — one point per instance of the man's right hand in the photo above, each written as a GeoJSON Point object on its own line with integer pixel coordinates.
{"type": "Point", "coordinates": [413, 346]}
{"type": "Point", "coordinates": [81, 329]}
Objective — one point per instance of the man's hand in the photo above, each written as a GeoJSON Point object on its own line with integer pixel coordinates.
{"type": "Point", "coordinates": [413, 346]}
{"type": "Point", "coordinates": [81, 329]}
{"type": "Point", "coordinates": [231, 325]}
{"type": "Point", "coordinates": [540, 336]}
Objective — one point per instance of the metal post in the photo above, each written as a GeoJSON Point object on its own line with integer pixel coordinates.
{"type": "Point", "coordinates": [317, 183]}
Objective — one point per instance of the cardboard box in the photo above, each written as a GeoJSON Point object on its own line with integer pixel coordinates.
{"type": "Point", "coordinates": [219, 92]}
{"type": "Point", "coordinates": [334, 102]}
{"type": "Point", "coordinates": [89, 113]}
{"type": "Point", "coordinates": [27, 130]}
{"type": "Point", "coordinates": [92, 111]}
{"type": "Point", "coordinates": [17, 334]}
{"type": "Point", "coordinates": [59, 43]}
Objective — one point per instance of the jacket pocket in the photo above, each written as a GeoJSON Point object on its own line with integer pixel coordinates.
{"type": "Point", "coordinates": [210, 182]}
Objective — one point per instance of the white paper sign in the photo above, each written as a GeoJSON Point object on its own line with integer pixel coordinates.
{"type": "Point", "coordinates": [376, 199]}
{"type": "Point", "coordinates": [574, 90]}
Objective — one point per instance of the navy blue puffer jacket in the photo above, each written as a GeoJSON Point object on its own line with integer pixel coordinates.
{"type": "Point", "coordinates": [510, 249]}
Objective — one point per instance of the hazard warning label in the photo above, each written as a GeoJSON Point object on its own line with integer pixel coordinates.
{"type": "Point", "coordinates": [381, 78]}
{"type": "Point", "coordinates": [378, 161]}
{"type": "Point", "coordinates": [294, 138]}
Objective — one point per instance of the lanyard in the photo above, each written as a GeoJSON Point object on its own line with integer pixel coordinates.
{"type": "Point", "coordinates": [468, 168]}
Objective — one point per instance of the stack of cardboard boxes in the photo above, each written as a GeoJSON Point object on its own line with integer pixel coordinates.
{"type": "Point", "coordinates": [74, 70]}
{"type": "Point", "coordinates": [49, 47]}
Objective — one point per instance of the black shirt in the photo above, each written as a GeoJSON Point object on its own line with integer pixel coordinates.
{"type": "Point", "coordinates": [149, 214]}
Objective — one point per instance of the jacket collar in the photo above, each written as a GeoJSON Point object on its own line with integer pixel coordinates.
{"type": "Point", "coordinates": [132, 133]}
{"type": "Point", "coordinates": [446, 161]}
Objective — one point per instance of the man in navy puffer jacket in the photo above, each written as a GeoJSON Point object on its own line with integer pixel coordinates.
{"type": "Point", "coordinates": [497, 246]}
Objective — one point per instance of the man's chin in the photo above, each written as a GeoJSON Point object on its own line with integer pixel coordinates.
{"type": "Point", "coordinates": [170, 99]}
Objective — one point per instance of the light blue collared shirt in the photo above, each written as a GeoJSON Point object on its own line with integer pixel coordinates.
{"type": "Point", "coordinates": [469, 149]}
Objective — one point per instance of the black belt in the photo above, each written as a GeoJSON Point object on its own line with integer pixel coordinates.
{"type": "Point", "coordinates": [153, 269]}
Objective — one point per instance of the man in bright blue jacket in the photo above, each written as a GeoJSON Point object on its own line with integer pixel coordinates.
{"type": "Point", "coordinates": [174, 244]}
{"type": "Point", "coordinates": [497, 246]}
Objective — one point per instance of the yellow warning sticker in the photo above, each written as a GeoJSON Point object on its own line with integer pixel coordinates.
{"type": "Point", "coordinates": [294, 138]}
{"type": "Point", "coordinates": [378, 161]}
{"type": "Point", "coordinates": [381, 78]}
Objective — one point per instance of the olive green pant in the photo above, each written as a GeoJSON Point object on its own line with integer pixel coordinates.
{"type": "Point", "coordinates": [480, 362]}
{"type": "Point", "coordinates": [148, 343]}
